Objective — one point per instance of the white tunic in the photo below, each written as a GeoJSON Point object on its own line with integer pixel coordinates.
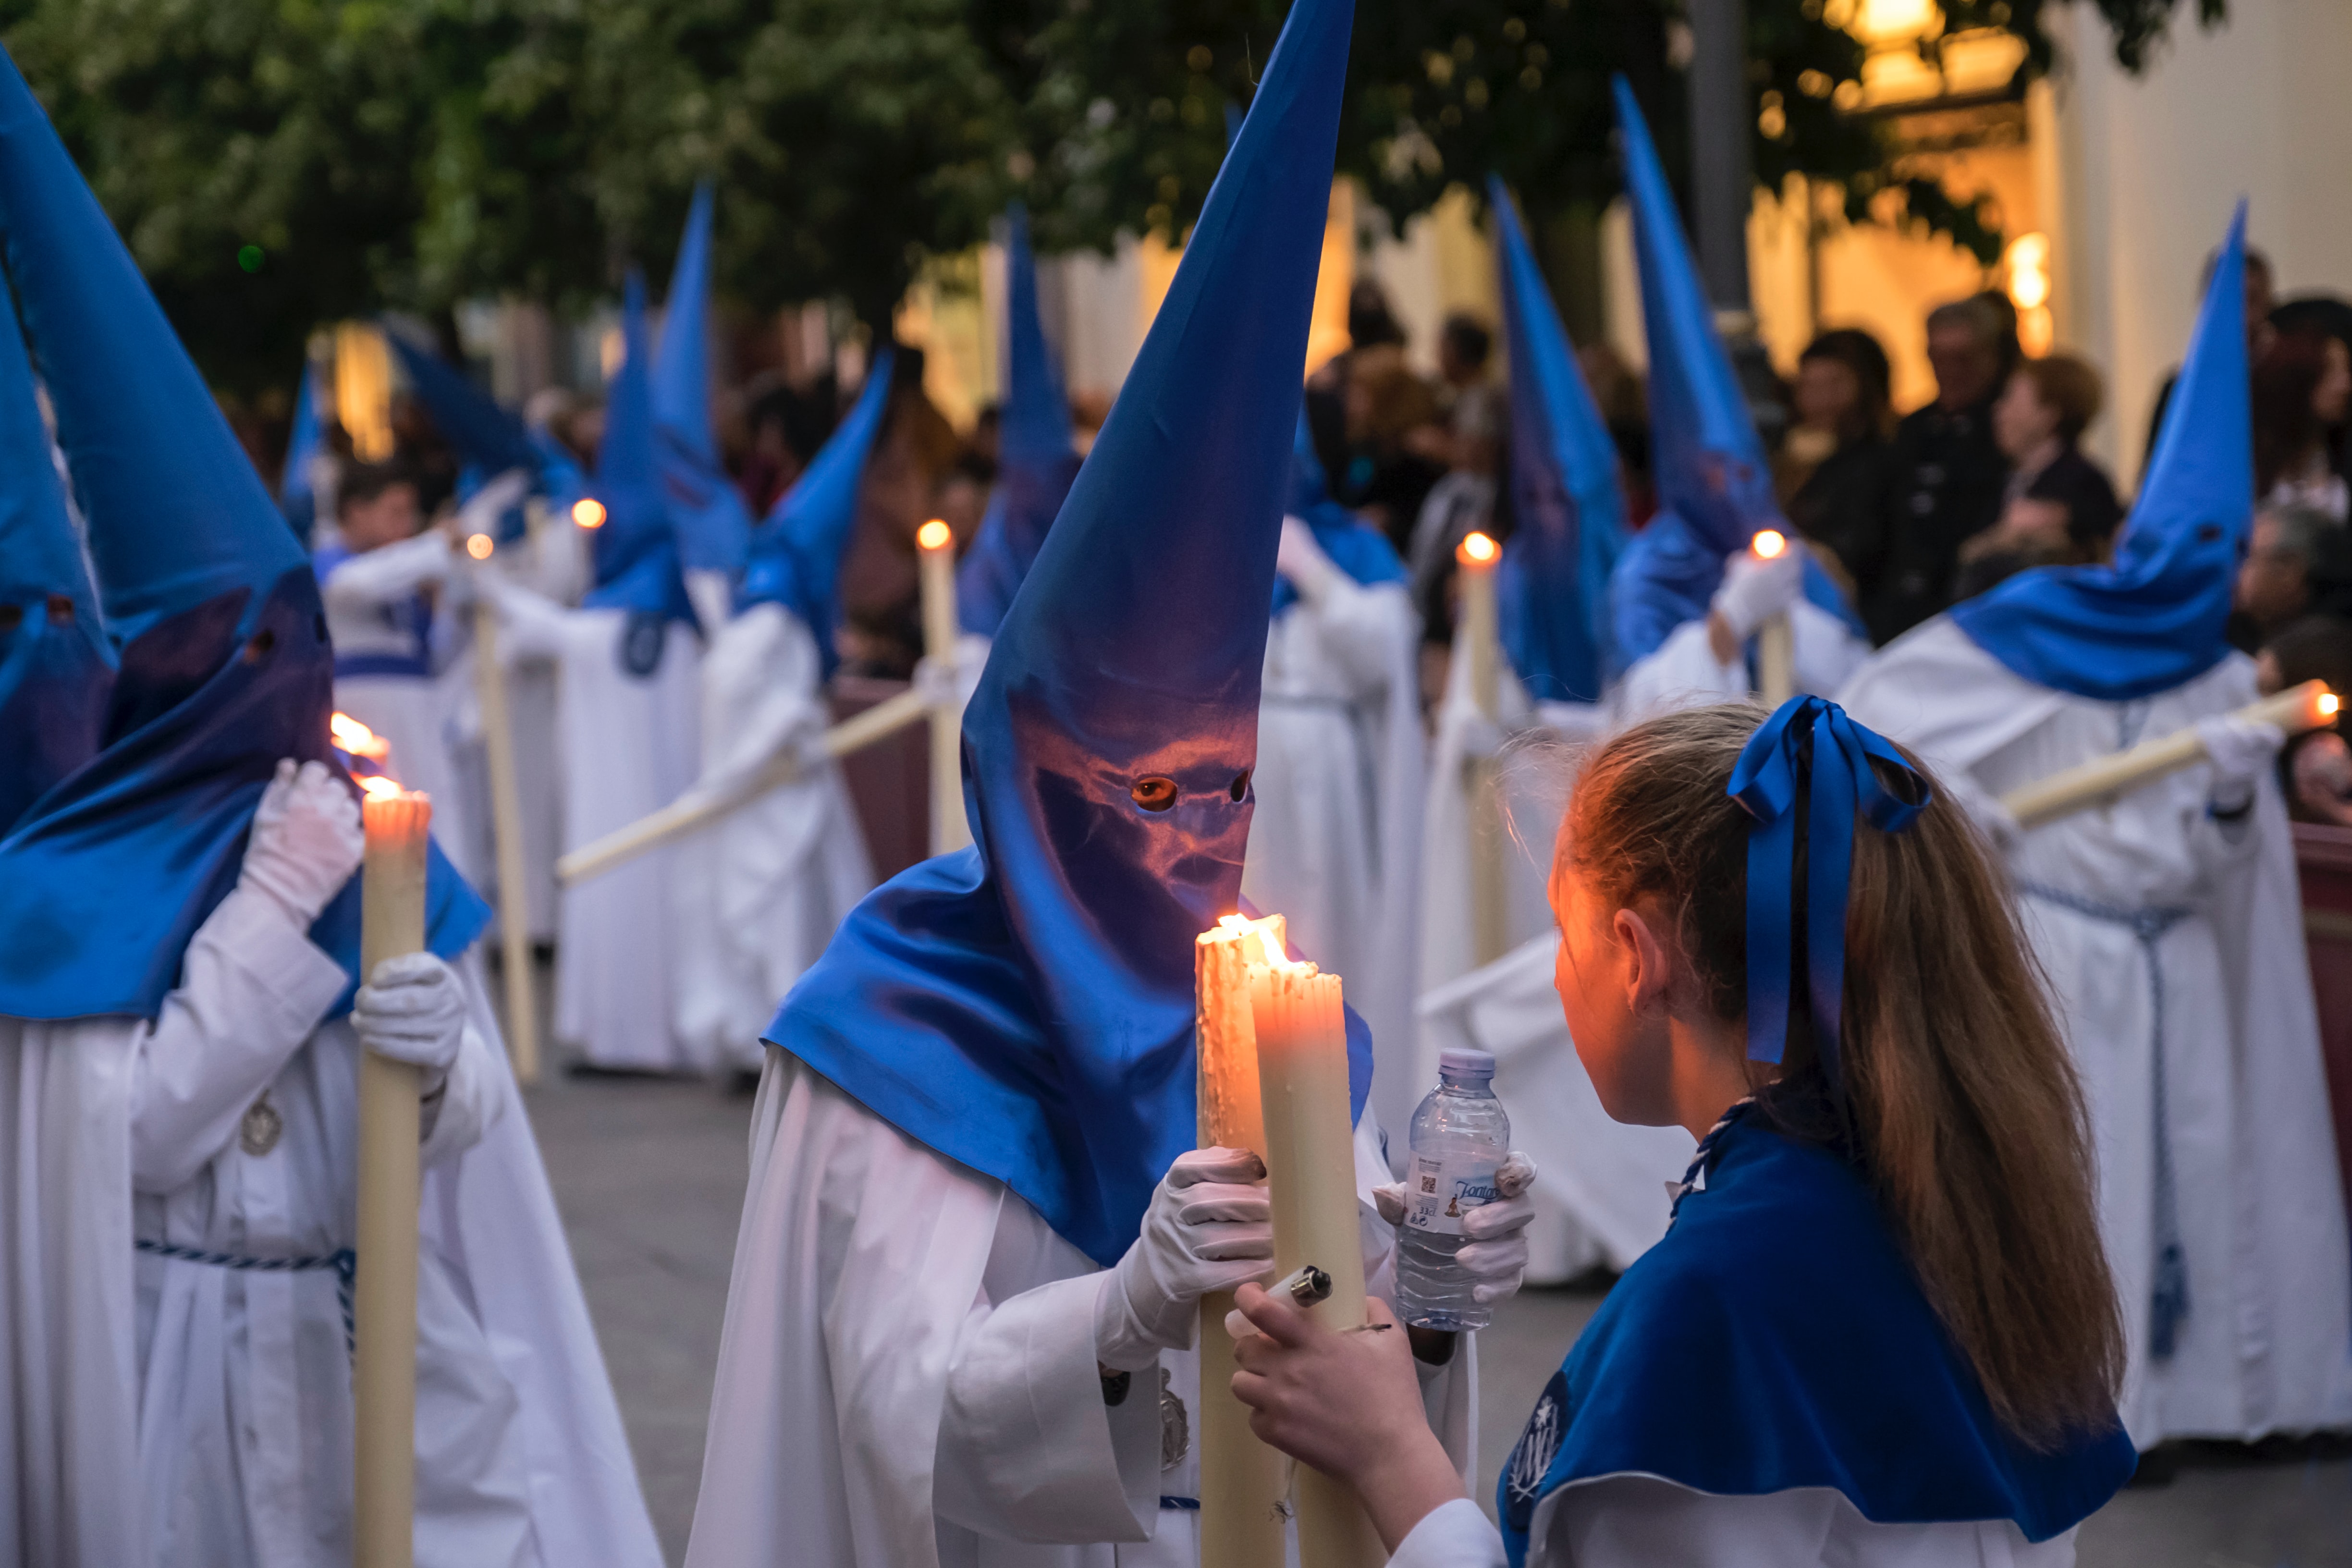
{"type": "Point", "coordinates": [772, 879]}
{"type": "Point", "coordinates": [1334, 842]}
{"type": "Point", "coordinates": [1682, 672]}
{"type": "Point", "coordinates": [907, 1377]}
{"type": "Point", "coordinates": [628, 746]}
{"type": "Point", "coordinates": [168, 1411]}
{"type": "Point", "coordinates": [2175, 952]}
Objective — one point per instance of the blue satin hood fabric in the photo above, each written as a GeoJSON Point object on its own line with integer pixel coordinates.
{"type": "Point", "coordinates": [2154, 619]}
{"type": "Point", "coordinates": [303, 445]}
{"type": "Point", "coordinates": [225, 662]}
{"type": "Point", "coordinates": [1778, 1337]}
{"type": "Point", "coordinates": [1355, 546]}
{"type": "Point", "coordinates": [1035, 458]}
{"type": "Point", "coordinates": [1552, 586]}
{"type": "Point", "coordinates": [489, 440]}
{"type": "Point", "coordinates": [635, 551]}
{"type": "Point", "coordinates": [1025, 1007]}
{"type": "Point", "coordinates": [1715, 484]}
{"type": "Point", "coordinates": [795, 553]}
{"type": "Point", "coordinates": [714, 526]}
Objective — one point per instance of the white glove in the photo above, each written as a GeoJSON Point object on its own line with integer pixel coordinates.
{"type": "Point", "coordinates": [1207, 1230]}
{"type": "Point", "coordinates": [482, 513]}
{"type": "Point", "coordinates": [1496, 1255]}
{"type": "Point", "coordinates": [1301, 558]}
{"type": "Point", "coordinates": [413, 1010]}
{"type": "Point", "coordinates": [1754, 589]}
{"type": "Point", "coordinates": [2241, 753]}
{"type": "Point", "coordinates": [306, 841]}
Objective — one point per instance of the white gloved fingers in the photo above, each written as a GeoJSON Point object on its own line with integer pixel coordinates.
{"type": "Point", "coordinates": [935, 681]}
{"type": "Point", "coordinates": [412, 1009]}
{"type": "Point", "coordinates": [1494, 1260]}
{"type": "Point", "coordinates": [1301, 558]}
{"type": "Point", "coordinates": [1488, 1292]}
{"type": "Point", "coordinates": [305, 841]}
{"type": "Point", "coordinates": [1388, 1198]}
{"type": "Point", "coordinates": [1516, 1175]}
{"type": "Point", "coordinates": [2238, 750]}
{"type": "Point", "coordinates": [1195, 1165]}
{"type": "Point", "coordinates": [274, 793]}
{"type": "Point", "coordinates": [1250, 1246]}
{"type": "Point", "coordinates": [1502, 1218]}
{"type": "Point", "coordinates": [1215, 1202]}
{"type": "Point", "coordinates": [1754, 589]}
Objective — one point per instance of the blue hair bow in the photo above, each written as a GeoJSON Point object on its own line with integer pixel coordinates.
{"type": "Point", "coordinates": [1809, 740]}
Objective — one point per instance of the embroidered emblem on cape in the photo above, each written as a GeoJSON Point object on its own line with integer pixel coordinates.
{"type": "Point", "coordinates": [1175, 1426]}
{"type": "Point", "coordinates": [1531, 1459]}
{"type": "Point", "coordinates": [641, 642]}
{"type": "Point", "coordinates": [259, 1132]}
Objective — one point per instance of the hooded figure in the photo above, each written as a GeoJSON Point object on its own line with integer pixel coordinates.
{"type": "Point", "coordinates": [776, 877]}
{"type": "Point", "coordinates": [1036, 457]}
{"type": "Point", "coordinates": [2168, 920]}
{"type": "Point", "coordinates": [1688, 593]}
{"type": "Point", "coordinates": [976, 1093]}
{"type": "Point", "coordinates": [298, 480]}
{"type": "Point", "coordinates": [714, 528]}
{"type": "Point", "coordinates": [1335, 842]}
{"type": "Point", "coordinates": [179, 933]}
{"type": "Point", "coordinates": [627, 665]}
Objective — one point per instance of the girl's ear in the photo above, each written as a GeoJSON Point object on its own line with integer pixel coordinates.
{"type": "Point", "coordinates": [1649, 965]}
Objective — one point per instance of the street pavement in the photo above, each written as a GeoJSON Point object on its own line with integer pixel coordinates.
{"type": "Point", "coordinates": [649, 1175]}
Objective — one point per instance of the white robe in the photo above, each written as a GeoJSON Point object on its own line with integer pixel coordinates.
{"type": "Point", "coordinates": [772, 879]}
{"type": "Point", "coordinates": [906, 1378]}
{"type": "Point", "coordinates": [2261, 1221]}
{"type": "Point", "coordinates": [1334, 842]}
{"type": "Point", "coordinates": [166, 1411]}
{"type": "Point", "coordinates": [628, 746]}
{"type": "Point", "coordinates": [1683, 672]}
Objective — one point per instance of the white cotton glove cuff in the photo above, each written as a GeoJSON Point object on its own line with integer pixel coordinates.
{"type": "Point", "coordinates": [2240, 753]}
{"type": "Point", "coordinates": [412, 1009]}
{"type": "Point", "coordinates": [306, 840]}
{"type": "Point", "coordinates": [1301, 558]}
{"type": "Point", "coordinates": [1207, 1230]}
{"type": "Point", "coordinates": [1754, 590]}
{"type": "Point", "coordinates": [1494, 1251]}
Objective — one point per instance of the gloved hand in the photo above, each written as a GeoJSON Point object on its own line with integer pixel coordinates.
{"type": "Point", "coordinates": [482, 511]}
{"type": "Point", "coordinates": [2240, 753]}
{"type": "Point", "coordinates": [1496, 1255]}
{"type": "Point", "coordinates": [1301, 558]}
{"type": "Point", "coordinates": [306, 840]}
{"type": "Point", "coordinates": [1754, 590]}
{"type": "Point", "coordinates": [1993, 820]}
{"type": "Point", "coordinates": [413, 1010]}
{"type": "Point", "coordinates": [1207, 1230]}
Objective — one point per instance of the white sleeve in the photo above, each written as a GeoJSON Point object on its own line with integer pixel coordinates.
{"type": "Point", "coordinates": [1361, 626]}
{"type": "Point", "coordinates": [1828, 652]}
{"type": "Point", "coordinates": [252, 989]}
{"type": "Point", "coordinates": [1683, 673]}
{"type": "Point", "coordinates": [469, 1102]}
{"type": "Point", "coordinates": [1456, 1535]}
{"type": "Point", "coordinates": [392, 572]}
{"type": "Point", "coordinates": [1028, 1450]}
{"type": "Point", "coordinates": [531, 626]}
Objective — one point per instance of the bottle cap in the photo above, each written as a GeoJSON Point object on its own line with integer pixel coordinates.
{"type": "Point", "coordinates": [1461, 1063]}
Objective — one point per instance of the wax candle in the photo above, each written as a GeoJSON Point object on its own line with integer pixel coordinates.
{"type": "Point", "coordinates": [383, 1305]}
{"type": "Point", "coordinates": [935, 549]}
{"type": "Point", "coordinates": [1477, 643]}
{"type": "Point", "coordinates": [1476, 634]}
{"type": "Point", "coordinates": [1776, 639]}
{"type": "Point", "coordinates": [506, 842]}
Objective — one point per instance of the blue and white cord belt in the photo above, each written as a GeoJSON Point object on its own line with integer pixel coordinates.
{"type": "Point", "coordinates": [2167, 1303]}
{"type": "Point", "coordinates": [342, 1261]}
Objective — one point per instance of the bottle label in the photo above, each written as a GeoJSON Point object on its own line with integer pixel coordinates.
{"type": "Point", "coordinates": [1443, 1193]}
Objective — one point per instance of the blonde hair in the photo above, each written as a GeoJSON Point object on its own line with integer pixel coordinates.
{"type": "Point", "coordinates": [1960, 1101]}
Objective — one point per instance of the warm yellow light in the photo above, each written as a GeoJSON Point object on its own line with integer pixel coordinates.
{"type": "Point", "coordinates": [357, 739]}
{"type": "Point", "coordinates": [934, 535]}
{"type": "Point", "coordinates": [1476, 549]}
{"type": "Point", "coordinates": [378, 787]}
{"type": "Point", "coordinates": [588, 512]}
{"type": "Point", "coordinates": [1263, 929]}
{"type": "Point", "coordinates": [1770, 544]}
{"type": "Point", "coordinates": [2029, 270]}
{"type": "Point", "coordinates": [479, 546]}
{"type": "Point", "coordinates": [2329, 704]}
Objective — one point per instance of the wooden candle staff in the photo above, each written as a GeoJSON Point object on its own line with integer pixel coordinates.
{"type": "Point", "coordinates": [506, 841]}
{"type": "Point", "coordinates": [935, 544]}
{"type": "Point", "coordinates": [2295, 710]}
{"type": "Point", "coordinates": [1477, 640]}
{"type": "Point", "coordinates": [383, 1307]}
{"type": "Point", "coordinates": [1776, 639]}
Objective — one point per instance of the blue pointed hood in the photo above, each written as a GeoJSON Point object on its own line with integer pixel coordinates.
{"type": "Point", "coordinates": [636, 550]}
{"type": "Point", "coordinates": [55, 662]}
{"type": "Point", "coordinates": [225, 665]}
{"type": "Point", "coordinates": [1713, 481]}
{"type": "Point", "coordinates": [488, 439]}
{"type": "Point", "coordinates": [1353, 546]}
{"type": "Point", "coordinates": [303, 443]}
{"type": "Point", "coordinates": [2156, 618]}
{"type": "Point", "coordinates": [795, 553]}
{"type": "Point", "coordinates": [1025, 1006]}
{"type": "Point", "coordinates": [1569, 514]}
{"type": "Point", "coordinates": [1036, 461]}
{"type": "Point", "coordinates": [714, 526]}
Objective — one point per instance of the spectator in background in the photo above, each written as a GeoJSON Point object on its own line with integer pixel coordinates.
{"type": "Point", "coordinates": [2003, 309]}
{"type": "Point", "coordinates": [1375, 342]}
{"type": "Point", "coordinates": [787, 424]}
{"type": "Point", "coordinates": [2298, 562]}
{"type": "Point", "coordinates": [2315, 767]}
{"type": "Point", "coordinates": [2059, 509]}
{"type": "Point", "coordinates": [2260, 292]}
{"type": "Point", "coordinates": [1394, 426]}
{"type": "Point", "coordinates": [1947, 476]}
{"type": "Point", "coordinates": [2303, 384]}
{"type": "Point", "coordinates": [1835, 461]}
{"type": "Point", "coordinates": [882, 630]}
{"type": "Point", "coordinates": [1464, 502]}
{"type": "Point", "coordinates": [1624, 405]}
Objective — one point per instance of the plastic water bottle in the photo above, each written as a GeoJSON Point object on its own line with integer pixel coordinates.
{"type": "Point", "coordinates": [1460, 1138]}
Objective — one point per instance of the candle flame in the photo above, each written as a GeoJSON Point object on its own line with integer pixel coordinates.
{"type": "Point", "coordinates": [479, 546]}
{"type": "Point", "coordinates": [357, 739]}
{"type": "Point", "coordinates": [378, 787]}
{"type": "Point", "coordinates": [1770, 544]}
{"type": "Point", "coordinates": [1273, 957]}
{"type": "Point", "coordinates": [934, 535]}
{"type": "Point", "coordinates": [2329, 704]}
{"type": "Point", "coordinates": [1476, 549]}
{"type": "Point", "coordinates": [588, 512]}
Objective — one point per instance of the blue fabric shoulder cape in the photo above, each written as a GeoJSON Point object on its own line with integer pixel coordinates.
{"type": "Point", "coordinates": [1776, 1339]}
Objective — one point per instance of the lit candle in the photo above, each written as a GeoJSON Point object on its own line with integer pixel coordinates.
{"type": "Point", "coordinates": [1474, 635]}
{"type": "Point", "coordinates": [935, 551]}
{"type": "Point", "coordinates": [1477, 642]}
{"type": "Point", "coordinates": [1242, 1480]}
{"type": "Point", "coordinates": [383, 1305]}
{"type": "Point", "coordinates": [1776, 639]}
{"type": "Point", "coordinates": [588, 512]}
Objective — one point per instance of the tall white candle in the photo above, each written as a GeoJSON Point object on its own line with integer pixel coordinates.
{"type": "Point", "coordinates": [1477, 640]}
{"type": "Point", "coordinates": [1776, 639]}
{"type": "Point", "coordinates": [935, 548]}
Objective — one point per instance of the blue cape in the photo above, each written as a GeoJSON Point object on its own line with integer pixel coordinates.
{"type": "Point", "coordinates": [2157, 617]}
{"type": "Point", "coordinates": [1355, 546]}
{"type": "Point", "coordinates": [303, 443]}
{"type": "Point", "coordinates": [1025, 1007]}
{"type": "Point", "coordinates": [1776, 1339]}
